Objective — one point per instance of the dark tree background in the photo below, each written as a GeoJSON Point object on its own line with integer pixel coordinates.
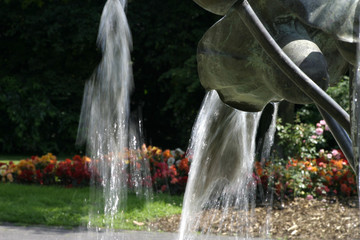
{"type": "Point", "coordinates": [48, 50]}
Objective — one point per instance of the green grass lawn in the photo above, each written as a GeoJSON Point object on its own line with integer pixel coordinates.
{"type": "Point", "coordinates": [6, 158]}
{"type": "Point", "coordinates": [14, 158]}
{"type": "Point", "coordinates": [69, 207]}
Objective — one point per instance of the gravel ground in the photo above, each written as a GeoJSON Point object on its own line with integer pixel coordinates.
{"type": "Point", "coordinates": [298, 219]}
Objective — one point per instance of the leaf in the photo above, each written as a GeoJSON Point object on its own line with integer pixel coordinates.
{"type": "Point", "coordinates": [138, 223]}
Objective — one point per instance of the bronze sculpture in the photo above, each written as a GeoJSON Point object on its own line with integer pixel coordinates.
{"type": "Point", "coordinates": [319, 37]}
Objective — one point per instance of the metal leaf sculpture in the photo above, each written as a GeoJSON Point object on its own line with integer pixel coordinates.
{"type": "Point", "coordinates": [318, 36]}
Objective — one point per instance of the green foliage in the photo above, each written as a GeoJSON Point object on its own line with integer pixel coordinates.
{"type": "Point", "coordinates": [299, 140]}
{"type": "Point", "coordinates": [47, 52]}
{"type": "Point", "coordinates": [318, 177]}
{"type": "Point", "coordinates": [165, 35]}
{"type": "Point", "coordinates": [296, 139]}
{"type": "Point", "coordinates": [340, 93]}
{"type": "Point", "coordinates": [186, 96]}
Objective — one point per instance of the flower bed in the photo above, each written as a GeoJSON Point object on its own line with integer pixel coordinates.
{"type": "Point", "coordinates": [328, 175]}
{"type": "Point", "coordinates": [168, 170]}
{"type": "Point", "coordinates": [47, 170]}
{"type": "Point", "coordinates": [312, 171]}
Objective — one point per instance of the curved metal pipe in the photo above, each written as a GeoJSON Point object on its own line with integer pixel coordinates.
{"type": "Point", "coordinates": [295, 74]}
{"type": "Point", "coordinates": [341, 137]}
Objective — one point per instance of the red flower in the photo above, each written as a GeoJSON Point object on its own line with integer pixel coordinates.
{"type": "Point", "coordinates": [77, 158]}
{"type": "Point", "coordinates": [164, 169]}
{"type": "Point", "coordinates": [351, 180]}
{"type": "Point", "coordinates": [345, 189]}
{"type": "Point", "coordinates": [39, 176]}
{"type": "Point", "coordinates": [184, 165]}
{"type": "Point", "coordinates": [49, 168]}
{"type": "Point", "coordinates": [172, 171]}
{"type": "Point", "coordinates": [163, 188]}
{"type": "Point", "coordinates": [183, 180]}
{"type": "Point", "coordinates": [174, 180]}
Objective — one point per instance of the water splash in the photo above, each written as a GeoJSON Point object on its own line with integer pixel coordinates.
{"type": "Point", "coordinates": [270, 134]}
{"type": "Point", "coordinates": [265, 155]}
{"type": "Point", "coordinates": [220, 186]}
{"type": "Point", "coordinates": [105, 122]}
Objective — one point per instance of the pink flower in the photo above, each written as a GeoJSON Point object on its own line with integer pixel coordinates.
{"type": "Point", "coordinates": [319, 131]}
{"type": "Point", "coordinates": [318, 125]}
{"type": "Point", "coordinates": [322, 122]}
{"type": "Point", "coordinates": [313, 137]}
{"type": "Point", "coordinates": [335, 153]}
{"type": "Point", "coordinates": [329, 155]}
{"type": "Point", "coordinates": [309, 197]}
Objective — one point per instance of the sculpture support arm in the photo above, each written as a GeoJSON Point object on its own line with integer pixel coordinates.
{"type": "Point", "coordinates": [341, 137]}
{"type": "Point", "coordinates": [289, 68]}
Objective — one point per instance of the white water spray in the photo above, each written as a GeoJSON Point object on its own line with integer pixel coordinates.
{"type": "Point", "coordinates": [270, 134]}
{"type": "Point", "coordinates": [265, 155]}
{"type": "Point", "coordinates": [220, 186]}
{"type": "Point", "coordinates": [104, 121]}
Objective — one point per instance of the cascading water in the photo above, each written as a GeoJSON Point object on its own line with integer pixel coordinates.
{"type": "Point", "coordinates": [269, 136]}
{"type": "Point", "coordinates": [220, 187]}
{"type": "Point", "coordinates": [104, 122]}
{"type": "Point", "coordinates": [265, 155]}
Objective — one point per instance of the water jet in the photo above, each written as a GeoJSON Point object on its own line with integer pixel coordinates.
{"type": "Point", "coordinates": [255, 54]}
{"type": "Point", "coordinates": [292, 52]}
{"type": "Point", "coordinates": [107, 129]}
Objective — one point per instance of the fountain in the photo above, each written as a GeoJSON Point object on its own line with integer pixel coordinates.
{"type": "Point", "coordinates": [105, 125]}
{"type": "Point", "coordinates": [303, 46]}
{"type": "Point", "coordinates": [245, 73]}
{"type": "Point", "coordinates": [239, 61]}
{"type": "Point", "coordinates": [220, 185]}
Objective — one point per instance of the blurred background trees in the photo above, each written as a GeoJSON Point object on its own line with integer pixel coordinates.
{"type": "Point", "coordinates": [48, 50]}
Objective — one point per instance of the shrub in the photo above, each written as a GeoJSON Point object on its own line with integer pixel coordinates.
{"type": "Point", "coordinates": [309, 170]}
{"type": "Point", "coordinates": [74, 172]}
{"type": "Point", "coordinates": [328, 175]}
{"type": "Point", "coordinates": [302, 140]}
{"type": "Point", "coordinates": [45, 168]}
{"type": "Point", "coordinates": [168, 170]}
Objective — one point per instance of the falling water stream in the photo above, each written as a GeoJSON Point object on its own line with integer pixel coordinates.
{"type": "Point", "coordinates": [105, 123]}
{"type": "Point", "coordinates": [220, 187]}
{"type": "Point", "coordinates": [265, 155]}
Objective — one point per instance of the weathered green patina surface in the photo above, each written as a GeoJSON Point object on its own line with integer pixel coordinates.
{"type": "Point", "coordinates": [319, 36]}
